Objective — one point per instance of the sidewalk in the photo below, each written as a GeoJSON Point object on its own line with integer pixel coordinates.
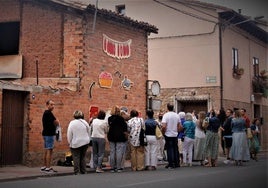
{"type": "Point", "coordinates": [16, 172]}
{"type": "Point", "coordinates": [20, 172]}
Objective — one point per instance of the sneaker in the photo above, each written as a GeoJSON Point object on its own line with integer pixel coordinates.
{"type": "Point", "coordinates": [50, 170]}
{"type": "Point", "coordinates": [43, 169]}
{"type": "Point", "coordinates": [99, 170]}
{"type": "Point", "coordinates": [169, 167]}
{"type": "Point", "coordinates": [113, 170]}
{"type": "Point", "coordinates": [184, 164]}
{"type": "Point", "coordinates": [120, 170]}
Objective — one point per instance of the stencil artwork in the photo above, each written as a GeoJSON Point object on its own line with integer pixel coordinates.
{"type": "Point", "coordinates": [126, 83]}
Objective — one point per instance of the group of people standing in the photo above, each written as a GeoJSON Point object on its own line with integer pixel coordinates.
{"type": "Point", "coordinates": [241, 137]}
{"type": "Point", "coordinates": [186, 137]}
{"type": "Point", "coordinates": [203, 139]}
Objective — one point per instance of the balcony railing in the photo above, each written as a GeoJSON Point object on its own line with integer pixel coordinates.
{"type": "Point", "coordinates": [260, 85]}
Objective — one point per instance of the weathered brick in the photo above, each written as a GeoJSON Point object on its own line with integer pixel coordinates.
{"type": "Point", "coordinates": [57, 39]}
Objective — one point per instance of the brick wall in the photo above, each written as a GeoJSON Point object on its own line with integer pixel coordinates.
{"type": "Point", "coordinates": [205, 93]}
{"type": "Point", "coordinates": [64, 47]}
{"type": "Point", "coordinates": [41, 38]}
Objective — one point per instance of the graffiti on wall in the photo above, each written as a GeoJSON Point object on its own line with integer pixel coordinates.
{"type": "Point", "coordinates": [116, 49]}
{"type": "Point", "coordinates": [105, 79]}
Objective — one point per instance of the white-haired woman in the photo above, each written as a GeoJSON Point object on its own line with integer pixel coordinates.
{"type": "Point", "coordinates": [188, 144]}
{"type": "Point", "coordinates": [78, 136]}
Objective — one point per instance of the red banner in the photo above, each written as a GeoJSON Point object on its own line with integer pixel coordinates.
{"type": "Point", "coordinates": [113, 48]}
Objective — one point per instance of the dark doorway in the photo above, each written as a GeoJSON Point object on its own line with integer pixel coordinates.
{"type": "Point", "coordinates": [12, 127]}
{"type": "Point", "coordinates": [190, 106]}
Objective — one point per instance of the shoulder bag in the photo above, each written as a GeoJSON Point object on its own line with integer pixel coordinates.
{"type": "Point", "coordinates": [158, 132]}
{"type": "Point", "coordinates": [249, 133]}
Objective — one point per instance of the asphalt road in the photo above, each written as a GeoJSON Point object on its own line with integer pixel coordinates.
{"type": "Point", "coordinates": [251, 175]}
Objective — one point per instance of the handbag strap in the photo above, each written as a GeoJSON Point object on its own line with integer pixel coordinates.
{"type": "Point", "coordinates": [84, 124]}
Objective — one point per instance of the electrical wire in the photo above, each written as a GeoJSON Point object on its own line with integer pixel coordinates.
{"type": "Point", "coordinates": [185, 12]}
{"type": "Point", "coordinates": [185, 4]}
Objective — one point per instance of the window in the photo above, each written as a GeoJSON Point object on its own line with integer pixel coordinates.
{"type": "Point", "coordinates": [255, 63]}
{"type": "Point", "coordinates": [9, 38]}
{"type": "Point", "coordinates": [235, 58]}
{"type": "Point", "coordinates": [237, 71]}
{"type": "Point", "coordinates": [120, 9]}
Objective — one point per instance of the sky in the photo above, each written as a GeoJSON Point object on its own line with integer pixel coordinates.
{"type": "Point", "coordinates": [253, 8]}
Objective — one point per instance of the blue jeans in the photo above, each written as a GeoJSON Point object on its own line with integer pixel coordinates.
{"type": "Point", "coordinates": [117, 152]}
{"type": "Point", "coordinates": [98, 147]}
{"type": "Point", "coordinates": [172, 151]}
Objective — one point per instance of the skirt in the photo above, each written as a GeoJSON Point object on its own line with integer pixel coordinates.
{"type": "Point", "coordinates": [240, 149]}
{"type": "Point", "coordinates": [199, 145]}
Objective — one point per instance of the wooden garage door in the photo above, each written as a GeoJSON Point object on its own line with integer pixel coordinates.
{"type": "Point", "coordinates": [12, 127]}
{"type": "Point", "coordinates": [189, 106]}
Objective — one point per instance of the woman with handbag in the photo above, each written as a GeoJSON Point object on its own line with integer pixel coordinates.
{"type": "Point", "coordinates": [254, 144]}
{"type": "Point", "coordinates": [136, 138]}
{"type": "Point", "coordinates": [78, 136]}
{"type": "Point", "coordinates": [151, 148]}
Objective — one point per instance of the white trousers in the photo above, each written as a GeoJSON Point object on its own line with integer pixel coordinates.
{"type": "Point", "coordinates": [187, 150]}
{"type": "Point", "coordinates": [151, 151]}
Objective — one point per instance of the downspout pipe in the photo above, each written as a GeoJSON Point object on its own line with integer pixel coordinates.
{"type": "Point", "coordinates": [221, 62]}
{"type": "Point", "coordinates": [95, 17]}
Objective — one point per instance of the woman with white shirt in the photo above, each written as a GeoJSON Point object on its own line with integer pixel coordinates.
{"type": "Point", "coordinates": [78, 136]}
{"type": "Point", "coordinates": [100, 129]}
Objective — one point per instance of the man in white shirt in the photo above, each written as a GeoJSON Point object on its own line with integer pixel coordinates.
{"type": "Point", "coordinates": [170, 125]}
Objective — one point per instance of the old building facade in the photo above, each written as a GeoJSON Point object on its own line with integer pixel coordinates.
{"type": "Point", "coordinates": [199, 52]}
{"type": "Point", "coordinates": [72, 53]}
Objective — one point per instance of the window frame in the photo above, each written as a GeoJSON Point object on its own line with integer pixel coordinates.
{"type": "Point", "coordinates": [256, 68]}
{"type": "Point", "coordinates": [9, 38]}
{"type": "Point", "coordinates": [235, 62]}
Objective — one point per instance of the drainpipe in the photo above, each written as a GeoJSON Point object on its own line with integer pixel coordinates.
{"type": "Point", "coordinates": [221, 71]}
{"type": "Point", "coordinates": [37, 69]}
{"type": "Point", "coordinates": [95, 17]}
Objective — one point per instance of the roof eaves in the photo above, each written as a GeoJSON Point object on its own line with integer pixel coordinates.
{"type": "Point", "coordinates": [245, 24]}
{"type": "Point", "coordinates": [72, 4]}
{"type": "Point", "coordinates": [108, 14]}
{"type": "Point", "coordinates": [123, 19]}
